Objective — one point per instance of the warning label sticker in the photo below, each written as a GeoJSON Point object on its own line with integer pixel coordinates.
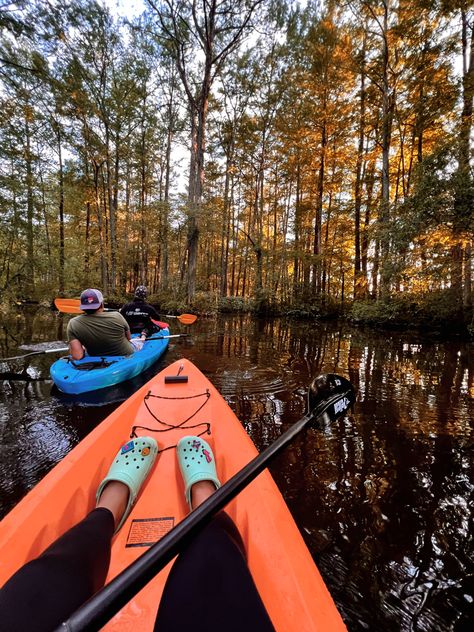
{"type": "Point", "coordinates": [147, 531]}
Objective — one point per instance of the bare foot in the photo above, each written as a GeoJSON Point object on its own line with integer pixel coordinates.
{"type": "Point", "coordinates": [201, 492]}
{"type": "Point", "coordinates": [114, 497]}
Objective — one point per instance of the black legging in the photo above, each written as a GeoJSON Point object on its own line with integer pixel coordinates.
{"type": "Point", "coordinates": [209, 587]}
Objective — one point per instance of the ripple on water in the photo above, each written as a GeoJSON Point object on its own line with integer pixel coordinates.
{"type": "Point", "coordinates": [29, 449]}
{"type": "Point", "coordinates": [252, 381]}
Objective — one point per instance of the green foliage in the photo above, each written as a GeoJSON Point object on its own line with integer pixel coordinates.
{"type": "Point", "coordinates": [262, 302]}
{"type": "Point", "coordinates": [169, 302]}
{"type": "Point", "coordinates": [441, 308]}
{"type": "Point", "coordinates": [234, 305]}
{"type": "Point", "coordinates": [204, 302]}
{"type": "Point", "coordinates": [320, 307]}
{"type": "Point", "coordinates": [470, 328]}
{"type": "Point", "coordinates": [117, 299]}
{"type": "Point", "coordinates": [400, 310]}
{"type": "Point", "coordinates": [442, 195]}
{"type": "Point", "coordinates": [432, 310]}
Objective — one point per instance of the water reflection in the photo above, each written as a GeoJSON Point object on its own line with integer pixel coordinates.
{"type": "Point", "coordinates": [383, 497]}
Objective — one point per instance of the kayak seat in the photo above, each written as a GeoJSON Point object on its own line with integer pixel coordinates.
{"type": "Point", "coordinates": [196, 462]}
{"type": "Point", "coordinates": [131, 467]}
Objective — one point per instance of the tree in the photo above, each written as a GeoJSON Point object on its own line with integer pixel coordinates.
{"type": "Point", "coordinates": [464, 198]}
{"type": "Point", "coordinates": [210, 32]}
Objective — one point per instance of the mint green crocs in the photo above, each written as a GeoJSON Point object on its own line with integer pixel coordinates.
{"type": "Point", "coordinates": [131, 466]}
{"type": "Point", "coordinates": [196, 462]}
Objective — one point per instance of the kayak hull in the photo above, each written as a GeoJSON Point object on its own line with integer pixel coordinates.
{"type": "Point", "coordinates": [288, 581]}
{"type": "Point", "coordinates": [111, 370]}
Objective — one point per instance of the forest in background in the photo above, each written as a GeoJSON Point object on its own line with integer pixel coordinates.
{"type": "Point", "coordinates": [266, 155]}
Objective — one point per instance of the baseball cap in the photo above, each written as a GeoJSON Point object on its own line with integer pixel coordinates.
{"type": "Point", "coordinates": [91, 299]}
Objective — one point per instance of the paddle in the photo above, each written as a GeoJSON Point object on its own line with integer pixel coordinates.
{"type": "Point", "coordinates": [64, 349]}
{"type": "Point", "coordinates": [68, 305]}
{"type": "Point", "coordinates": [329, 397]}
{"type": "Point", "coordinates": [34, 353]}
{"type": "Point", "coordinates": [72, 306]}
{"type": "Point", "coordinates": [184, 319]}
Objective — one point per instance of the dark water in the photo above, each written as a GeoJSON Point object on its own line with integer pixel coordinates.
{"type": "Point", "coordinates": [384, 498]}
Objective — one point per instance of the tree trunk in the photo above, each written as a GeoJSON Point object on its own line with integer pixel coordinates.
{"type": "Point", "coordinates": [387, 114]}
{"type": "Point", "coordinates": [194, 199]}
{"type": "Point", "coordinates": [198, 145]}
{"type": "Point", "coordinates": [464, 193]}
{"type": "Point", "coordinates": [225, 231]}
{"type": "Point", "coordinates": [369, 185]}
{"type": "Point", "coordinates": [29, 283]}
{"type": "Point", "coordinates": [166, 205]}
{"type": "Point", "coordinates": [296, 257]}
{"type": "Point", "coordinates": [143, 265]}
{"type": "Point", "coordinates": [125, 262]}
{"type": "Point", "coordinates": [87, 249]}
{"type": "Point", "coordinates": [358, 276]}
{"type": "Point", "coordinates": [467, 289]}
{"type": "Point", "coordinates": [100, 224]}
{"type": "Point", "coordinates": [61, 214]}
{"type": "Point", "coordinates": [316, 268]}
{"type": "Point", "coordinates": [46, 228]}
{"type": "Point", "coordinates": [113, 186]}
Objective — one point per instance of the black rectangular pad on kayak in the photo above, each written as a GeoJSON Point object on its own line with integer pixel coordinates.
{"type": "Point", "coordinates": [175, 379]}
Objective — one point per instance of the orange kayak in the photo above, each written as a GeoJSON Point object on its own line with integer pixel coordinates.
{"type": "Point", "coordinates": [288, 581]}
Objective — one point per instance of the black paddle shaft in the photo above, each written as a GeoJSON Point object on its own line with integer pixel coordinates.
{"type": "Point", "coordinates": [66, 349]}
{"type": "Point", "coordinates": [111, 598]}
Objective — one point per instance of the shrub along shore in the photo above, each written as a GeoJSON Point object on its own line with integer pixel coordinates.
{"type": "Point", "coordinates": [436, 313]}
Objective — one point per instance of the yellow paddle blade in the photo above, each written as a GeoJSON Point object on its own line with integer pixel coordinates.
{"type": "Point", "coordinates": [68, 305]}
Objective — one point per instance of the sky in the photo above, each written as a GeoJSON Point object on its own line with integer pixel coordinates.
{"type": "Point", "coordinates": [126, 8]}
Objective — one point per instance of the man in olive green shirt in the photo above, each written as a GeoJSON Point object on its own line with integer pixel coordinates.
{"type": "Point", "coordinates": [100, 333]}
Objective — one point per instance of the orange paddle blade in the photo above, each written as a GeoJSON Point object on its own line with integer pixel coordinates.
{"type": "Point", "coordinates": [185, 319]}
{"type": "Point", "coordinates": [68, 305]}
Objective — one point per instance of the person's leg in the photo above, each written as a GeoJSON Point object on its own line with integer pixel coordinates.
{"type": "Point", "coordinates": [138, 343]}
{"type": "Point", "coordinates": [210, 587]}
{"type": "Point", "coordinates": [47, 590]}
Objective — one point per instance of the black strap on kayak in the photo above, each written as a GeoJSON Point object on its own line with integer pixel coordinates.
{"type": "Point", "coordinates": [181, 425]}
{"type": "Point", "coordinates": [93, 364]}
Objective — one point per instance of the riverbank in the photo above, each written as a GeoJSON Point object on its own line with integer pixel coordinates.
{"type": "Point", "coordinates": [436, 313]}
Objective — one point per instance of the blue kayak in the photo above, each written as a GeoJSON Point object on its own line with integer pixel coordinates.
{"type": "Point", "coordinates": [94, 372]}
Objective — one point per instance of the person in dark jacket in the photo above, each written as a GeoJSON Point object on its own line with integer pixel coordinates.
{"type": "Point", "coordinates": [139, 314]}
